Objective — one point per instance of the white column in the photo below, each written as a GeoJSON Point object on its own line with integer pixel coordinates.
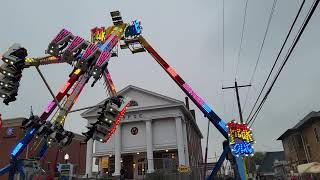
{"type": "Point", "coordinates": [100, 164]}
{"type": "Point", "coordinates": [117, 153]}
{"type": "Point", "coordinates": [149, 147]}
{"type": "Point", "coordinates": [181, 154]}
{"type": "Point", "coordinates": [185, 140]}
{"type": "Point", "coordinates": [89, 158]}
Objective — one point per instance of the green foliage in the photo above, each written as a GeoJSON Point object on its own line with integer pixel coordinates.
{"type": "Point", "coordinates": [258, 157]}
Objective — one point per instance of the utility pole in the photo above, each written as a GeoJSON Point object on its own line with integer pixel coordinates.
{"type": "Point", "coordinates": [238, 97]}
{"type": "Point", "coordinates": [239, 108]}
{"type": "Point", "coordinates": [206, 155]}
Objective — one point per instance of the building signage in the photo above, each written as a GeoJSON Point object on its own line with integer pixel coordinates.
{"type": "Point", "coordinates": [133, 116]}
{"type": "Point", "coordinates": [240, 139]}
{"type": "Point", "coordinates": [9, 132]}
{"type": "Point", "coordinates": [184, 169]}
{"type": "Point", "coordinates": [98, 34]}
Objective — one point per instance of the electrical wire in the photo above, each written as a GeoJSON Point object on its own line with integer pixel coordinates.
{"type": "Point", "coordinates": [298, 36]}
{"type": "Point", "coordinates": [261, 48]}
{"type": "Point", "coordinates": [279, 70]}
{"type": "Point", "coordinates": [274, 64]}
{"type": "Point", "coordinates": [241, 39]}
{"type": "Point", "coordinates": [222, 79]}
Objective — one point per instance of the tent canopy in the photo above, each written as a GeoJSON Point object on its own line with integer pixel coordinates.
{"type": "Point", "coordinates": [313, 167]}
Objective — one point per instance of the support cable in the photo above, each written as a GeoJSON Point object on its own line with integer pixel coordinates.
{"type": "Point", "coordinates": [48, 87]}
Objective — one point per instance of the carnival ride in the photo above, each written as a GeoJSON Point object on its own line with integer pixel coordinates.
{"type": "Point", "coordinates": [90, 59]}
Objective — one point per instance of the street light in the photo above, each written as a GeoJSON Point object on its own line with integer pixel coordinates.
{"type": "Point", "coordinates": [66, 158]}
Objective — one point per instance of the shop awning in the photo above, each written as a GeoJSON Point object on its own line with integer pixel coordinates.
{"type": "Point", "coordinates": [313, 167]}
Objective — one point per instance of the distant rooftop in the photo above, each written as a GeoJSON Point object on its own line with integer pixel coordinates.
{"type": "Point", "coordinates": [270, 157]}
{"type": "Point", "coordinates": [312, 116]}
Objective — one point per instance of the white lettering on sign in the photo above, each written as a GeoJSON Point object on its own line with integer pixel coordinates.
{"type": "Point", "coordinates": [133, 116]}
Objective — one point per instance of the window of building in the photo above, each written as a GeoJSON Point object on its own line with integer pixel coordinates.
{"type": "Point", "coordinates": [316, 133]}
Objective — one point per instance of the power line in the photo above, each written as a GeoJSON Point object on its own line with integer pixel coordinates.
{"type": "Point", "coordinates": [243, 26]}
{"type": "Point", "coordinates": [301, 30]}
{"type": "Point", "coordinates": [222, 79]}
{"type": "Point", "coordinates": [254, 116]}
{"type": "Point", "coordinates": [274, 64]}
{"type": "Point", "coordinates": [261, 48]}
{"type": "Point", "coordinates": [263, 41]}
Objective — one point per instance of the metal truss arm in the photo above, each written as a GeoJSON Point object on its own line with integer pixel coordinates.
{"type": "Point", "coordinates": [199, 102]}
{"type": "Point", "coordinates": [5, 169]}
{"type": "Point", "coordinates": [39, 61]}
{"type": "Point", "coordinates": [109, 83]}
{"type": "Point", "coordinates": [61, 115]}
{"type": "Point", "coordinates": [63, 92]}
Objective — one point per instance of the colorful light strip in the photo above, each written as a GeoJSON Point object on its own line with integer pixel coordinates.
{"type": "Point", "coordinates": [104, 56]}
{"type": "Point", "coordinates": [91, 49]}
{"type": "Point", "coordinates": [116, 123]}
{"type": "Point", "coordinates": [22, 144]}
{"type": "Point", "coordinates": [65, 87]}
{"type": "Point", "coordinates": [62, 34]}
{"type": "Point", "coordinates": [110, 84]}
{"type": "Point", "coordinates": [52, 105]}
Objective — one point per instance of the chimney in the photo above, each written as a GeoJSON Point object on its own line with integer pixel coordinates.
{"type": "Point", "coordinates": [193, 113]}
{"type": "Point", "coordinates": [187, 102]}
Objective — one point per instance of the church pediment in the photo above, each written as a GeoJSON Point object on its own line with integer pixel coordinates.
{"type": "Point", "coordinates": [140, 98]}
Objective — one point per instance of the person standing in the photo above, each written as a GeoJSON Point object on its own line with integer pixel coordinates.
{"type": "Point", "coordinates": [122, 174]}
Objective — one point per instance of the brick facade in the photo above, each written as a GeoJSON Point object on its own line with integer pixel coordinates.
{"type": "Point", "coordinates": [11, 133]}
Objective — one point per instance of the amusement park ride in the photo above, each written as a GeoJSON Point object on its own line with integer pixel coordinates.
{"type": "Point", "coordinates": [90, 59]}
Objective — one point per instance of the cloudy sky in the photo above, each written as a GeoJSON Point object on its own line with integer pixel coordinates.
{"type": "Point", "coordinates": [189, 35]}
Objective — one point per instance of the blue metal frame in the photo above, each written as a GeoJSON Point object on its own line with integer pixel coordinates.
{"type": "Point", "coordinates": [12, 168]}
{"type": "Point", "coordinates": [240, 168]}
{"type": "Point", "coordinates": [218, 164]}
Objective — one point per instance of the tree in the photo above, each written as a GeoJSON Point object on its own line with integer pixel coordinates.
{"type": "Point", "coordinates": [258, 157]}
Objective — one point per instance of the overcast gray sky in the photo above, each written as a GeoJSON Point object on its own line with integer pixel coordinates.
{"type": "Point", "coordinates": [188, 34]}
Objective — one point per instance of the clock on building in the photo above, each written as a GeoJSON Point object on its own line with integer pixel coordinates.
{"type": "Point", "coordinates": [134, 130]}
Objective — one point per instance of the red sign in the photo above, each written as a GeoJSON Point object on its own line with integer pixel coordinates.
{"type": "Point", "coordinates": [98, 34]}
